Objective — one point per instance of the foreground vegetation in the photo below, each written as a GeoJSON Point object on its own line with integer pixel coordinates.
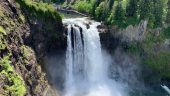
{"type": "Point", "coordinates": [20, 74]}
{"type": "Point", "coordinates": [14, 83]}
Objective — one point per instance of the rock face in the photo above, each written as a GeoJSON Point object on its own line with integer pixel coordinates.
{"type": "Point", "coordinates": [134, 33]}
{"type": "Point", "coordinates": [25, 41]}
{"type": "Point", "coordinates": [112, 37]}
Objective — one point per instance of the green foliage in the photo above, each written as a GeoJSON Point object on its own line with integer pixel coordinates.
{"type": "Point", "coordinates": [1, 11]}
{"type": "Point", "coordinates": [151, 41]}
{"type": "Point", "coordinates": [158, 12]}
{"type": "Point", "coordinates": [2, 38]}
{"type": "Point", "coordinates": [146, 9]}
{"type": "Point", "coordinates": [101, 12]}
{"type": "Point", "coordinates": [154, 58]}
{"type": "Point", "coordinates": [127, 12]}
{"type": "Point", "coordinates": [134, 48]}
{"type": "Point", "coordinates": [119, 15]}
{"type": "Point", "coordinates": [15, 85]}
{"type": "Point", "coordinates": [159, 63]}
{"type": "Point", "coordinates": [2, 43]}
{"type": "Point", "coordinates": [2, 30]}
{"type": "Point", "coordinates": [168, 17]}
{"type": "Point", "coordinates": [21, 18]}
{"type": "Point", "coordinates": [132, 8]}
{"type": "Point", "coordinates": [57, 1]}
{"type": "Point", "coordinates": [40, 9]}
{"type": "Point", "coordinates": [166, 33]}
{"type": "Point", "coordinates": [132, 21]}
{"type": "Point", "coordinates": [83, 6]}
{"type": "Point", "coordinates": [110, 4]}
{"type": "Point", "coordinates": [168, 13]}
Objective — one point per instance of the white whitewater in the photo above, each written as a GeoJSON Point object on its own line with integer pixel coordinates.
{"type": "Point", "coordinates": [166, 89]}
{"type": "Point", "coordinates": [86, 70]}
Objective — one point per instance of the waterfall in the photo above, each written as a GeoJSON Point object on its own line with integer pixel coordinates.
{"type": "Point", "coordinates": [86, 70]}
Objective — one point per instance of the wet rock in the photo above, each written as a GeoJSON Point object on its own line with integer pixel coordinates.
{"type": "Point", "coordinates": [103, 28]}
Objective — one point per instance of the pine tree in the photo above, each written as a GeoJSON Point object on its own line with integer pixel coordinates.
{"type": "Point", "coordinates": [158, 12]}
{"type": "Point", "coordinates": [100, 12]}
{"type": "Point", "coordinates": [95, 4]}
{"type": "Point", "coordinates": [119, 12]}
{"type": "Point", "coordinates": [146, 9]}
{"type": "Point", "coordinates": [110, 4]}
{"type": "Point", "coordinates": [168, 13]}
{"type": "Point", "coordinates": [132, 8]}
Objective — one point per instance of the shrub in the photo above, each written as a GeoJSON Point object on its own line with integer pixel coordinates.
{"type": "Point", "coordinates": [2, 30]}
{"type": "Point", "coordinates": [40, 9]}
{"type": "Point", "coordinates": [132, 21]}
{"type": "Point", "coordinates": [166, 33]}
{"type": "Point", "coordinates": [134, 48]}
{"type": "Point", "coordinates": [159, 63]}
{"type": "Point", "coordinates": [15, 85]}
{"type": "Point", "coordinates": [83, 6]}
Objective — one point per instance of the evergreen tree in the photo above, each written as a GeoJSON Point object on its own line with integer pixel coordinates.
{"type": "Point", "coordinates": [100, 10]}
{"type": "Point", "coordinates": [132, 8]}
{"type": "Point", "coordinates": [119, 13]}
{"type": "Point", "coordinates": [110, 4]}
{"type": "Point", "coordinates": [158, 12]}
{"type": "Point", "coordinates": [146, 9]}
{"type": "Point", "coordinates": [168, 13]}
{"type": "Point", "coordinates": [95, 4]}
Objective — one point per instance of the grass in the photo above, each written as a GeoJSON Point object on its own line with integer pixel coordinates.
{"type": "Point", "coordinates": [40, 9]}
{"type": "Point", "coordinates": [15, 85]}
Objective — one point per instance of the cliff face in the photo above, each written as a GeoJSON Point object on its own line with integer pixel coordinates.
{"type": "Point", "coordinates": [23, 42]}
{"type": "Point", "coordinates": [140, 46]}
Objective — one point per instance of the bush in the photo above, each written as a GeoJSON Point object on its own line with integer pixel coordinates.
{"type": "Point", "coordinates": [166, 33]}
{"type": "Point", "coordinates": [159, 63]}
{"type": "Point", "coordinates": [40, 9]}
{"type": "Point", "coordinates": [15, 85]}
{"type": "Point", "coordinates": [132, 21]}
{"type": "Point", "coordinates": [83, 6]}
{"type": "Point", "coordinates": [2, 30]}
{"type": "Point", "coordinates": [134, 48]}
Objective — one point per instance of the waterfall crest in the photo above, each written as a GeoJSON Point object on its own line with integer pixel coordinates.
{"type": "Point", "coordinates": [86, 70]}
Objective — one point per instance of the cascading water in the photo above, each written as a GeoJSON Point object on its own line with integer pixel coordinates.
{"type": "Point", "coordinates": [86, 70]}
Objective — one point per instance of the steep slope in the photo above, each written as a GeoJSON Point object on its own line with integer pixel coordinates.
{"type": "Point", "coordinates": [20, 35]}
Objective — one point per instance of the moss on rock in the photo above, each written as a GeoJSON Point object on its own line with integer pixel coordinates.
{"type": "Point", "coordinates": [14, 84]}
{"type": "Point", "coordinates": [2, 30]}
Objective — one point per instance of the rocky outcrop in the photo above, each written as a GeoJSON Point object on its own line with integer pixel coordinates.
{"type": "Point", "coordinates": [133, 33]}
{"type": "Point", "coordinates": [149, 47]}
{"type": "Point", "coordinates": [25, 40]}
{"type": "Point", "coordinates": [111, 37]}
